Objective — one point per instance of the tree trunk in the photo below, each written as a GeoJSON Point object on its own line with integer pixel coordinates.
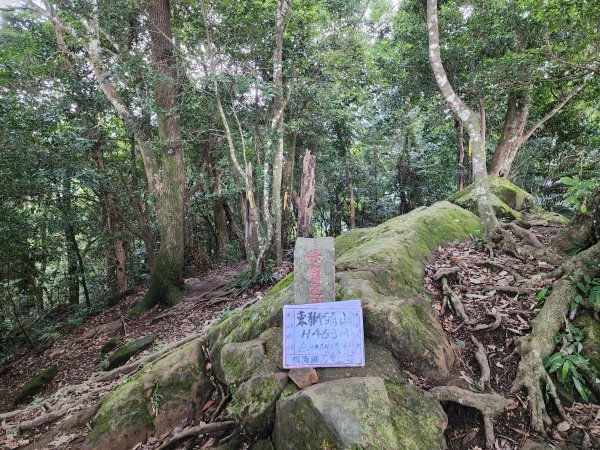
{"type": "Point", "coordinates": [461, 155]}
{"type": "Point", "coordinates": [288, 188]}
{"type": "Point", "coordinates": [351, 194]}
{"type": "Point", "coordinates": [307, 196]}
{"type": "Point", "coordinates": [278, 107]}
{"type": "Point", "coordinates": [468, 118]}
{"type": "Point", "coordinates": [512, 133]}
{"type": "Point", "coordinates": [116, 254]}
{"type": "Point", "coordinates": [167, 277]}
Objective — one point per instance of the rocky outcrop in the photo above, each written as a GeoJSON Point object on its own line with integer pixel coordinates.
{"type": "Point", "coordinates": [510, 202]}
{"type": "Point", "coordinates": [360, 407]}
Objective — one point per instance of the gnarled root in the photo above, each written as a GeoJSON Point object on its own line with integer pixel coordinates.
{"type": "Point", "coordinates": [490, 405]}
{"type": "Point", "coordinates": [456, 302]}
{"type": "Point", "coordinates": [532, 349]}
{"type": "Point", "coordinates": [523, 234]}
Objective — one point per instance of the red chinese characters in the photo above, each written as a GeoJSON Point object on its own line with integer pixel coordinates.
{"type": "Point", "coordinates": [313, 257]}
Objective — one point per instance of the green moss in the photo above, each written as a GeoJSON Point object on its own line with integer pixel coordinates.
{"type": "Point", "coordinates": [591, 343]}
{"type": "Point", "coordinates": [125, 407]}
{"type": "Point", "coordinates": [282, 284]}
{"type": "Point", "coordinates": [36, 384]}
{"type": "Point", "coordinates": [127, 350]}
{"type": "Point", "coordinates": [418, 421]}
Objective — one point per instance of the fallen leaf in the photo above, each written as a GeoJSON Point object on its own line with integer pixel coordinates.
{"type": "Point", "coordinates": [208, 404]}
{"type": "Point", "coordinates": [563, 426]}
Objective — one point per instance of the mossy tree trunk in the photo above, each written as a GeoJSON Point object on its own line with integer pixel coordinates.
{"type": "Point", "coordinates": [167, 277]}
{"type": "Point", "coordinates": [471, 120]}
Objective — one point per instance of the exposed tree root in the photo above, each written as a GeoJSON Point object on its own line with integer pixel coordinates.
{"type": "Point", "coordinates": [539, 344]}
{"type": "Point", "coordinates": [445, 272]}
{"type": "Point", "coordinates": [523, 234]}
{"type": "Point", "coordinates": [481, 356]}
{"type": "Point", "coordinates": [490, 405]}
{"type": "Point", "coordinates": [492, 326]}
{"type": "Point", "coordinates": [455, 301]}
{"type": "Point", "coordinates": [205, 428]}
{"type": "Point", "coordinates": [488, 263]}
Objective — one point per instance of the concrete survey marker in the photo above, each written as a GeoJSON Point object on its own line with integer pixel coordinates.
{"type": "Point", "coordinates": [314, 270]}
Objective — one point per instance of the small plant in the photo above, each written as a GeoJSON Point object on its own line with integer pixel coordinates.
{"type": "Point", "coordinates": [158, 346]}
{"type": "Point", "coordinates": [588, 288]}
{"type": "Point", "coordinates": [579, 192]}
{"type": "Point", "coordinates": [103, 364]}
{"type": "Point", "coordinates": [16, 432]}
{"type": "Point", "coordinates": [124, 380]}
{"type": "Point", "coordinates": [541, 296]}
{"type": "Point", "coordinates": [567, 363]}
{"type": "Point", "coordinates": [155, 399]}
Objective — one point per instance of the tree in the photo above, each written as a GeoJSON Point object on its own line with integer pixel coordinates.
{"type": "Point", "coordinates": [166, 179]}
{"type": "Point", "coordinates": [472, 121]}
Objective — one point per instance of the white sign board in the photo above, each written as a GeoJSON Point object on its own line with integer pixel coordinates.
{"type": "Point", "coordinates": [323, 335]}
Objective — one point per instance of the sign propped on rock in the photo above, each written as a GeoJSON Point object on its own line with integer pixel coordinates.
{"type": "Point", "coordinates": [323, 335]}
{"type": "Point", "coordinates": [314, 270]}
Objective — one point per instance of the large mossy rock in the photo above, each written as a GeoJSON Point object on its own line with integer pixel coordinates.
{"type": "Point", "coordinates": [510, 202]}
{"type": "Point", "coordinates": [154, 400]}
{"type": "Point", "coordinates": [384, 266]}
{"type": "Point", "coordinates": [591, 343]}
{"type": "Point", "coordinates": [38, 382]}
{"type": "Point", "coordinates": [358, 413]}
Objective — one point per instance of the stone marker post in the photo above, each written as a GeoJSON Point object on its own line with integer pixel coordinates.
{"type": "Point", "coordinates": [314, 270]}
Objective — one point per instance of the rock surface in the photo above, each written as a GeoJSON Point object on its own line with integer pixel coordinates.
{"type": "Point", "coordinates": [36, 384]}
{"type": "Point", "coordinates": [131, 348]}
{"type": "Point", "coordinates": [510, 202]}
{"type": "Point", "coordinates": [304, 377]}
{"type": "Point", "coordinates": [371, 406]}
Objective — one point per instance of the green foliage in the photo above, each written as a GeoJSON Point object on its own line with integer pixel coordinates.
{"type": "Point", "coordinates": [588, 288]}
{"type": "Point", "coordinates": [579, 192]}
{"type": "Point", "coordinates": [540, 297]}
{"type": "Point", "coordinates": [155, 398]}
{"type": "Point", "coordinates": [567, 363]}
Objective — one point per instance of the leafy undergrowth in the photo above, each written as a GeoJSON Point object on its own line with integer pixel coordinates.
{"type": "Point", "coordinates": [480, 283]}
{"type": "Point", "coordinates": [76, 357]}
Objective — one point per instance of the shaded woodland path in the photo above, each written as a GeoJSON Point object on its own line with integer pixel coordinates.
{"type": "Point", "coordinates": [75, 353]}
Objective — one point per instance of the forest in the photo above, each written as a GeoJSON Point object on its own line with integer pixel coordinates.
{"type": "Point", "coordinates": [160, 158]}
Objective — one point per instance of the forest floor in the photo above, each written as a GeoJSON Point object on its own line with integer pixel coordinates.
{"type": "Point", "coordinates": [484, 284]}
{"type": "Point", "coordinates": [75, 353]}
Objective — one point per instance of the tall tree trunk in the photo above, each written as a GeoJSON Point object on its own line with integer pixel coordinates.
{"type": "Point", "coordinates": [288, 187]}
{"type": "Point", "coordinates": [278, 106]}
{"type": "Point", "coordinates": [350, 193]}
{"type": "Point", "coordinates": [512, 133]}
{"type": "Point", "coordinates": [461, 155]}
{"type": "Point", "coordinates": [307, 196]}
{"type": "Point", "coordinates": [116, 253]}
{"type": "Point", "coordinates": [469, 118]}
{"type": "Point", "coordinates": [167, 277]}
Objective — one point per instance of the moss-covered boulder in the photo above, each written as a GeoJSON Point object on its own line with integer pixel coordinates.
{"type": "Point", "coordinates": [155, 400]}
{"type": "Point", "coordinates": [385, 267]}
{"type": "Point", "coordinates": [253, 404]}
{"type": "Point", "coordinates": [591, 343]}
{"type": "Point", "coordinates": [240, 359]}
{"type": "Point", "coordinates": [35, 384]}
{"type": "Point", "coordinates": [357, 413]}
{"type": "Point", "coordinates": [419, 422]}
{"type": "Point", "coordinates": [131, 348]}
{"type": "Point", "coordinates": [510, 202]}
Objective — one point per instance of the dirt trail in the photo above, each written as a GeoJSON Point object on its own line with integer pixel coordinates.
{"type": "Point", "coordinates": [76, 358]}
